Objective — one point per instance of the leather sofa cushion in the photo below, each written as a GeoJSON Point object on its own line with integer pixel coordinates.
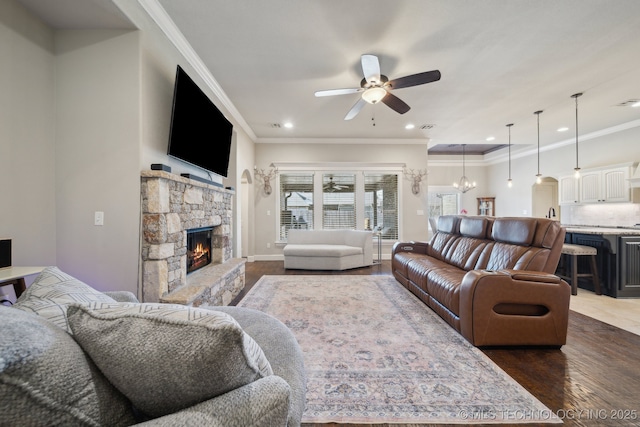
{"type": "Point", "coordinates": [443, 284]}
{"type": "Point", "coordinates": [518, 231]}
{"type": "Point", "coordinates": [419, 270]}
{"type": "Point", "coordinates": [448, 224]}
{"type": "Point", "coordinates": [474, 227]}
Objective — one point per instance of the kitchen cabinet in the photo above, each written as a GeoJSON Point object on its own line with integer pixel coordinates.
{"type": "Point", "coordinates": [568, 190]}
{"type": "Point", "coordinates": [596, 186]}
{"type": "Point", "coordinates": [609, 185]}
{"type": "Point", "coordinates": [617, 262]}
{"type": "Point", "coordinates": [629, 256]}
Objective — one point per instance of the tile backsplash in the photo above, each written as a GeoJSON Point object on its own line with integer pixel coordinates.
{"type": "Point", "coordinates": [603, 215]}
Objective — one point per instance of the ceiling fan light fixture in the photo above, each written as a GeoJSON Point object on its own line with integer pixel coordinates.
{"type": "Point", "coordinates": [374, 95]}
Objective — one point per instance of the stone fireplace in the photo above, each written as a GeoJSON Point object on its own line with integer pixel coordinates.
{"type": "Point", "coordinates": [172, 206]}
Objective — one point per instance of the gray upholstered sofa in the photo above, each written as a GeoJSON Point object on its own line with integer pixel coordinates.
{"type": "Point", "coordinates": [70, 355]}
{"type": "Point", "coordinates": [328, 249]}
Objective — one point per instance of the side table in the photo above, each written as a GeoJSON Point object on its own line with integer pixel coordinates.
{"type": "Point", "coordinates": [378, 236]}
{"type": "Point", "coordinates": [15, 276]}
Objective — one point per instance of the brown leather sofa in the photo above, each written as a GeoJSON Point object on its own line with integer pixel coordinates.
{"type": "Point", "coordinates": [491, 279]}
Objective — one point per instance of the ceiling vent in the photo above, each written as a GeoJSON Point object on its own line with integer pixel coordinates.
{"type": "Point", "coordinates": [630, 103]}
{"type": "Point", "coordinates": [275, 125]}
{"type": "Point", "coordinates": [427, 127]}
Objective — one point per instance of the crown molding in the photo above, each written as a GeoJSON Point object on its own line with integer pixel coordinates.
{"type": "Point", "coordinates": [175, 36]}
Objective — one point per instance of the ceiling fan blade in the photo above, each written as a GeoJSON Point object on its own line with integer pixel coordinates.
{"type": "Point", "coordinates": [370, 68]}
{"type": "Point", "coordinates": [395, 103]}
{"type": "Point", "coordinates": [332, 92]}
{"type": "Point", "coordinates": [415, 79]}
{"type": "Point", "coordinates": [355, 109]}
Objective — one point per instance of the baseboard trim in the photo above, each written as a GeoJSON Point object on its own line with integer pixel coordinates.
{"type": "Point", "coordinates": [269, 257]}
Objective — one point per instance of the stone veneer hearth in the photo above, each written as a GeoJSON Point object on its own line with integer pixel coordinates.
{"type": "Point", "coordinates": [171, 205]}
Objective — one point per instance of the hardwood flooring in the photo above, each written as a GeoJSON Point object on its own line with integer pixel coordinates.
{"type": "Point", "coordinates": [593, 380]}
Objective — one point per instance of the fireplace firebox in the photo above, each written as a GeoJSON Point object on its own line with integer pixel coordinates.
{"type": "Point", "coordinates": [198, 248]}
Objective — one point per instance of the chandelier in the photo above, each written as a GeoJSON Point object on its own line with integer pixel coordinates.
{"type": "Point", "coordinates": [464, 185]}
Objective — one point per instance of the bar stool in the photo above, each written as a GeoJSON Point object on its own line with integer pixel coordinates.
{"type": "Point", "coordinates": [574, 251]}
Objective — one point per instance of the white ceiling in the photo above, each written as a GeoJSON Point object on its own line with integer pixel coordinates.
{"type": "Point", "coordinates": [500, 60]}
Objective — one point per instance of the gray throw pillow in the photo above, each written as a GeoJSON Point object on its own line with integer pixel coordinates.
{"type": "Point", "coordinates": [167, 357]}
{"type": "Point", "coordinates": [47, 380]}
{"type": "Point", "coordinates": [52, 291]}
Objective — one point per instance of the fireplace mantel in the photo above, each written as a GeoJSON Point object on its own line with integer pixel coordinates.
{"type": "Point", "coordinates": [172, 204]}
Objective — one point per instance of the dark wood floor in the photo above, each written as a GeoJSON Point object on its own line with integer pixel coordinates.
{"type": "Point", "coordinates": [593, 380]}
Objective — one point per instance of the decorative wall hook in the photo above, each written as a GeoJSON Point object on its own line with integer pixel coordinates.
{"type": "Point", "coordinates": [416, 178]}
{"type": "Point", "coordinates": [266, 178]}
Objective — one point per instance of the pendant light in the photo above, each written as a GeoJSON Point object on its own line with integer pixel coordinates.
{"type": "Point", "coordinates": [577, 168]}
{"type": "Point", "coordinates": [464, 185]}
{"type": "Point", "coordinates": [509, 181]}
{"type": "Point", "coordinates": [538, 175]}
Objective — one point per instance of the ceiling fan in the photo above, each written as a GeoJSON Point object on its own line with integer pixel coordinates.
{"type": "Point", "coordinates": [376, 87]}
{"type": "Point", "coordinates": [332, 186]}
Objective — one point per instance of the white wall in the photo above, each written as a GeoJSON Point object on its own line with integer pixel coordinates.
{"type": "Point", "coordinates": [27, 142]}
{"type": "Point", "coordinates": [97, 156]}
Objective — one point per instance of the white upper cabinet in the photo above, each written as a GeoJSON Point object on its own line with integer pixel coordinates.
{"type": "Point", "coordinates": [596, 186]}
{"type": "Point", "coordinates": [615, 185]}
{"type": "Point", "coordinates": [568, 189]}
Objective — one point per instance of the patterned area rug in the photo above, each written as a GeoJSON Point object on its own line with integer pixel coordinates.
{"type": "Point", "coordinates": [374, 353]}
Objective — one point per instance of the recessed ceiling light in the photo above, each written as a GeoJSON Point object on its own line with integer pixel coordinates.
{"type": "Point", "coordinates": [288, 125]}
{"type": "Point", "coordinates": [563, 129]}
{"type": "Point", "coordinates": [491, 138]}
{"type": "Point", "coordinates": [410, 126]}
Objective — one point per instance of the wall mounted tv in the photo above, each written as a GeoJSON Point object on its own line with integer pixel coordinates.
{"type": "Point", "coordinates": [200, 134]}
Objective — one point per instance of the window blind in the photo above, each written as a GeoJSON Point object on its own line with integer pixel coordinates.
{"type": "Point", "coordinates": [338, 201]}
{"type": "Point", "coordinates": [296, 202]}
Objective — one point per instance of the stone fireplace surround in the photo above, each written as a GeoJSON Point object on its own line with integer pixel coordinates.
{"type": "Point", "coordinates": [171, 205]}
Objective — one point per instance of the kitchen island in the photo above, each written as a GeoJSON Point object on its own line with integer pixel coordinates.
{"type": "Point", "coordinates": [618, 258]}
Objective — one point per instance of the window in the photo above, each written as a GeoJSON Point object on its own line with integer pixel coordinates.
{"type": "Point", "coordinates": [296, 202]}
{"type": "Point", "coordinates": [338, 201]}
{"type": "Point", "coordinates": [381, 204]}
{"type": "Point", "coordinates": [442, 201]}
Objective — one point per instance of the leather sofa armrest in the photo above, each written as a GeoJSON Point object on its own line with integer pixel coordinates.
{"type": "Point", "coordinates": [415, 247]}
{"type": "Point", "coordinates": [514, 307]}
{"type": "Point", "coordinates": [262, 402]}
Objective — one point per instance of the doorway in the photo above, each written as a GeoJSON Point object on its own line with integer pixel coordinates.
{"type": "Point", "coordinates": [544, 203]}
{"type": "Point", "coordinates": [245, 230]}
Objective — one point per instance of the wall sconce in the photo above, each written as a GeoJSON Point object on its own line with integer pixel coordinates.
{"type": "Point", "coordinates": [266, 178]}
{"type": "Point", "coordinates": [416, 178]}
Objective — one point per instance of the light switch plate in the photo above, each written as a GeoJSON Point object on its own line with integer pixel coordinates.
{"type": "Point", "coordinates": [98, 218]}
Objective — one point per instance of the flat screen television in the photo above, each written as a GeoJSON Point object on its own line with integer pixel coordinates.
{"type": "Point", "coordinates": [200, 134]}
